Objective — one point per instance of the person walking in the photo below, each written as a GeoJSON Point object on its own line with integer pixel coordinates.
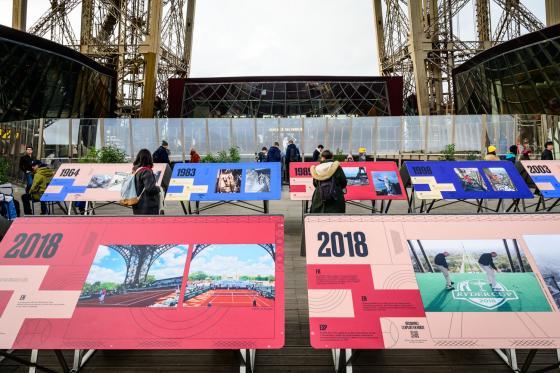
{"type": "Point", "coordinates": [491, 154]}
{"type": "Point", "coordinates": [42, 176]}
{"type": "Point", "coordinates": [441, 263]}
{"type": "Point", "coordinates": [317, 153]}
{"type": "Point", "coordinates": [146, 185]}
{"type": "Point", "coordinates": [274, 154]}
{"type": "Point", "coordinates": [486, 262]}
{"type": "Point", "coordinates": [292, 155]}
{"type": "Point", "coordinates": [330, 185]}
{"type": "Point", "coordinates": [25, 167]}
{"type": "Point", "coordinates": [161, 155]}
{"type": "Point", "coordinates": [547, 154]}
{"type": "Point", "coordinates": [195, 157]}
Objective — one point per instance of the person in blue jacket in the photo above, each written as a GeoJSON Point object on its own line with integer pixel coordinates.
{"type": "Point", "coordinates": [274, 154]}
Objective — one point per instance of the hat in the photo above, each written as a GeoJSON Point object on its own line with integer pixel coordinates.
{"type": "Point", "coordinates": [362, 150]}
{"type": "Point", "coordinates": [164, 143]}
{"type": "Point", "coordinates": [491, 149]}
{"type": "Point", "coordinates": [36, 162]}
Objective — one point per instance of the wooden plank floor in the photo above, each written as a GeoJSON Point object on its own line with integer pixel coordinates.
{"type": "Point", "coordinates": [297, 355]}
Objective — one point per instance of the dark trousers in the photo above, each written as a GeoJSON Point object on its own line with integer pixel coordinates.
{"type": "Point", "coordinates": [26, 199]}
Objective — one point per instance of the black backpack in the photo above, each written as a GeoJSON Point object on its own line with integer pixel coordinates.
{"type": "Point", "coordinates": [294, 155]}
{"type": "Point", "coordinates": [328, 190]}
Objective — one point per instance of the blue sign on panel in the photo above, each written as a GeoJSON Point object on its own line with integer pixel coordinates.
{"type": "Point", "coordinates": [467, 180]}
{"type": "Point", "coordinates": [225, 182]}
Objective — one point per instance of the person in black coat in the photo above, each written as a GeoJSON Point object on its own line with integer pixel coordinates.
{"type": "Point", "coordinates": [274, 154]}
{"type": "Point", "coordinates": [161, 155]}
{"type": "Point", "coordinates": [146, 185]}
{"type": "Point", "coordinates": [25, 167]}
{"type": "Point", "coordinates": [317, 153]}
{"type": "Point", "coordinates": [547, 154]}
{"type": "Point", "coordinates": [292, 155]}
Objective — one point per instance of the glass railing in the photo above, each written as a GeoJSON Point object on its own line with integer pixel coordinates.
{"type": "Point", "coordinates": [69, 140]}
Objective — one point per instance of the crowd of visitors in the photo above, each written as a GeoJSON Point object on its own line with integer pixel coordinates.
{"type": "Point", "coordinates": [328, 178]}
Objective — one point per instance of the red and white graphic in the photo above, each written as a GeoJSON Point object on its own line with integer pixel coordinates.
{"type": "Point", "coordinates": [142, 283]}
{"type": "Point", "coordinates": [366, 181]}
{"type": "Point", "coordinates": [380, 282]}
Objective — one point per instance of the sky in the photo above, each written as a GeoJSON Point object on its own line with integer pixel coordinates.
{"type": "Point", "coordinates": [544, 249]}
{"type": "Point", "coordinates": [231, 260]}
{"type": "Point", "coordinates": [433, 247]}
{"type": "Point", "coordinates": [282, 37]}
{"type": "Point", "coordinates": [109, 266]}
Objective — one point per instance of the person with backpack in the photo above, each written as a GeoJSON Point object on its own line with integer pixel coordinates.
{"type": "Point", "coordinates": [161, 155]}
{"type": "Point", "coordinates": [292, 155]}
{"type": "Point", "coordinates": [330, 185]}
{"type": "Point", "coordinates": [146, 185]}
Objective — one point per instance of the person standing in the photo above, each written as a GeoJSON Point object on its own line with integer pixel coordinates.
{"type": "Point", "coordinates": [161, 155]}
{"type": "Point", "coordinates": [274, 154]}
{"type": "Point", "coordinates": [491, 154]}
{"type": "Point", "coordinates": [317, 153]}
{"type": "Point", "coordinates": [441, 264]}
{"type": "Point", "coordinates": [547, 154]}
{"type": "Point", "coordinates": [486, 262]}
{"type": "Point", "coordinates": [261, 157]}
{"type": "Point", "coordinates": [330, 185]}
{"type": "Point", "coordinates": [146, 185]}
{"type": "Point", "coordinates": [42, 177]}
{"type": "Point", "coordinates": [25, 167]}
{"type": "Point", "coordinates": [292, 155]}
{"type": "Point", "coordinates": [349, 158]}
{"type": "Point", "coordinates": [512, 155]}
{"type": "Point", "coordinates": [195, 157]}
{"type": "Point", "coordinates": [362, 154]}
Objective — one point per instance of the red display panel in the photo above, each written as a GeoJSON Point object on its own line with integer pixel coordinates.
{"type": "Point", "coordinates": [381, 282]}
{"type": "Point", "coordinates": [366, 181]}
{"type": "Point", "coordinates": [142, 283]}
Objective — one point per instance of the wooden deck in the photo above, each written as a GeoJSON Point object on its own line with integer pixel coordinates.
{"type": "Point", "coordinates": [297, 355]}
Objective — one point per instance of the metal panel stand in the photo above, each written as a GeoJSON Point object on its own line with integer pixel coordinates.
{"type": "Point", "coordinates": [343, 359]}
{"type": "Point", "coordinates": [246, 360]}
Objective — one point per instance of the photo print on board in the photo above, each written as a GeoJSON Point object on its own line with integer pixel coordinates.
{"type": "Point", "coordinates": [231, 275]}
{"type": "Point", "coordinates": [135, 276]}
{"type": "Point", "coordinates": [228, 181]}
{"type": "Point", "coordinates": [475, 276]}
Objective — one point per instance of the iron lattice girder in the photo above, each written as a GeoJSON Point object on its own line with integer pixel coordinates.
{"type": "Point", "coordinates": [443, 50]}
{"type": "Point", "coordinates": [139, 259]}
{"type": "Point", "coordinates": [119, 46]}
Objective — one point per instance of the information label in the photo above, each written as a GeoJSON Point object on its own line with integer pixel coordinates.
{"type": "Point", "coordinates": [366, 181]}
{"type": "Point", "coordinates": [466, 180]}
{"type": "Point", "coordinates": [380, 282]}
{"type": "Point", "coordinates": [225, 182]}
{"type": "Point", "coordinates": [142, 283]}
{"type": "Point", "coordinates": [545, 175]}
{"type": "Point", "coordinates": [94, 182]}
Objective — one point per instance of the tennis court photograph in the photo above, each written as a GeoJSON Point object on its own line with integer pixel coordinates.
{"type": "Point", "coordinates": [491, 275]}
{"type": "Point", "coordinates": [135, 276]}
{"type": "Point", "coordinates": [544, 249]}
{"type": "Point", "coordinates": [231, 275]}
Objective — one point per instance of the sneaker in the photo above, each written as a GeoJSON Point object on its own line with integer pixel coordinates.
{"type": "Point", "coordinates": [452, 283]}
{"type": "Point", "coordinates": [449, 288]}
{"type": "Point", "coordinates": [496, 289]}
